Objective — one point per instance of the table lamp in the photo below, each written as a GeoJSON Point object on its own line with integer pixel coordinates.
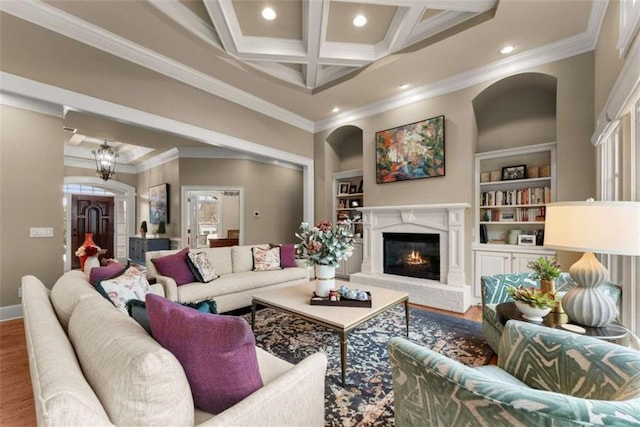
{"type": "Point", "coordinates": [592, 226]}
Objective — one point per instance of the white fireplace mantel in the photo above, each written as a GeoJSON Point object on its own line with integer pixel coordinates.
{"type": "Point", "coordinates": [447, 220]}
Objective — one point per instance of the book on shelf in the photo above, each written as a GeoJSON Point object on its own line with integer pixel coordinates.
{"type": "Point", "coordinates": [524, 196]}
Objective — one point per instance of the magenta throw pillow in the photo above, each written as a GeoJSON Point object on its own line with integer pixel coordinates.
{"type": "Point", "coordinates": [217, 352]}
{"type": "Point", "coordinates": [109, 271]}
{"type": "Point", "coordinates": [288, 255]}
{"type": "Point", "coordinates": [176, 267]}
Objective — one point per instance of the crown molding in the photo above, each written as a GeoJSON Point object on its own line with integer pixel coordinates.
{"type": "Point", "coordinates": [54, 19]}
{"type": "Point", "coordinates": [86, 104]}
{"type": "Point", "coordinates": [51, 18]}
{"type": "Point", "coordinates": [159, 160]}
{"type": "Point", "coordinates": [181, 14]}
{"type": "Point", "coordinates": [552, 52]}
{"type": "Point", "coordinates": [83, 163]}
{"type": "Point", "coordinates": [34, 105]}
{"type": "Point", "coordinates": [215, 153]}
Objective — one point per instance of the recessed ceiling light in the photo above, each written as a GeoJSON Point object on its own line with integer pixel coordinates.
{"type": "Point", "coordinates": [508, 49]}
{"type": "Point", "coordinates": [359, 21]}
{"type": "Point", "coordinates": [335, 110]}
{"type": "Point", "coordinates": [269, 14]}
{"type": "Point", "coordinates": [404, 85]}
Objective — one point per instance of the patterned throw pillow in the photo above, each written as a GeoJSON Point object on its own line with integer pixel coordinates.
{"type": "Point", "coordinates": [131, 284]}
{"type": "Point", "coordinates": [203, 267]}
{"type": "Point", "coordinates": [266, 259]}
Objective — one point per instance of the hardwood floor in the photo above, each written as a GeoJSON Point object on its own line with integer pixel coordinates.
{"type": "Point", "coordinates": [16, 395]}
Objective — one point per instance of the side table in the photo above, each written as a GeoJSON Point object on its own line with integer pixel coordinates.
{"type": "Point", "coordinates": [508, 311]}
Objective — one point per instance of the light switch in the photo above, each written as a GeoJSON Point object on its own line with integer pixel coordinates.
{"type": "Point", "coordinates": [41, 232]}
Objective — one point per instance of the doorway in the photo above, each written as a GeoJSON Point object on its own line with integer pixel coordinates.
{"type": "Point", "coordinates": [211, 213]}
{"type": "Point", "coordinates": [122, 217]}
{"type": "Point", "coordinates": [92, 214]}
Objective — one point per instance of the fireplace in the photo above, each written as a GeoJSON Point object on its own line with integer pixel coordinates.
{"type": "Point", "coordinates": [412, 255]}
{"type": "Point", "coordinates": [444, 248]}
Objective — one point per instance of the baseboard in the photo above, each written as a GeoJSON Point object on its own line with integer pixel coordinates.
{"type": "Point", "coordinates": [10, 312]}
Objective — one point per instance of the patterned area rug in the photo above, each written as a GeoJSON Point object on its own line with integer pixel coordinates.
{"type": "Point", "coordinates": [367, 399]}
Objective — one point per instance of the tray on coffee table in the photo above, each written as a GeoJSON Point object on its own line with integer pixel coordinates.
{"type": "Point", "coordinates": [342, 302]}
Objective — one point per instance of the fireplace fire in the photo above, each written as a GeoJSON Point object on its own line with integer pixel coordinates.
{"type": "Point", "coordinates": [412, 255]}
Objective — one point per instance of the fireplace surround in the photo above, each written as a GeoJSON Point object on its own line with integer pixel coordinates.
{"type": "Point", "coordinates": [447, 221]}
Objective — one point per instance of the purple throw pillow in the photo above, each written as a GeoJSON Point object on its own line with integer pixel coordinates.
{"type": "Point", "coordinates": [288, 255]}
{"type": "Point", "coordinates": [109, 271]}
{"type": "Point", "coordinates": [176, 267]}
{"type": "Point", "coordinates": [217, 352]}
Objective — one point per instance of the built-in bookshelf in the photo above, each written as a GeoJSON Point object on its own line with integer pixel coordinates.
{"type": "Point", "coordinates": [512, 189]}
{"type": "Point", "coordinates": [348, 190]}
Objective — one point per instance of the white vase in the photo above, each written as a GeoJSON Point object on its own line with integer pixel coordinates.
{"type": "Point", "coordinates": [325, 279]}
{"type": "Point", "coordinates": [91, 262]}
{"type": "Point", "coordinates": [532, 313]}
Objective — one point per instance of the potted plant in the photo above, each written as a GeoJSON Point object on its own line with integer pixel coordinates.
{"type": "Point", "coordinates": [533, 303]}
{"type": "Point", "coordinates": [547, 270]}
{"type": "Point", "coordinates": [325, 245]}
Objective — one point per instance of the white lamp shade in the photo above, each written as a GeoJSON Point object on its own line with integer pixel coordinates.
{"type": "Point", "coordinates": [600, 227]}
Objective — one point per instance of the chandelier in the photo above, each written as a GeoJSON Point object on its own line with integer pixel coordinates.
{"type": "Point", "coordinates": [105, 161]}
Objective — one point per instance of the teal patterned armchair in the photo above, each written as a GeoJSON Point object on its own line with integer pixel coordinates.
{"type": "Point", "coordinates": [544, 377]}
{"type": "Point", "coordinates": [494, 292]}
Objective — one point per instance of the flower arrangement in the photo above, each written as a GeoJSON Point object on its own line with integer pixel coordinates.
{"type": "Point", "coordinates": [545, 269]}
{"type": "Point", "coordinates": [88, 251]}
{"type": "Point", "coordinates": [533, 297]}
{"type": "Point", "coordinates": [326, 244]}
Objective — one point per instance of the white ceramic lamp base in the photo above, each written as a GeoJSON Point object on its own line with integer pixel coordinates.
{"type": "Point", "coordinates": [587, 304]}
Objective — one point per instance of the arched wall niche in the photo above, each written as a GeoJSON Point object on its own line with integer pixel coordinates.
{"type": "Point", "coordinates": [516, 111]}
{"type": "Point", "coordinates": [346, 144]}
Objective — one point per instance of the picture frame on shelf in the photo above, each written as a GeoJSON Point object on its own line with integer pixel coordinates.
{"type": "Point", "coordinates": [355, 203]}
{"type": "Point", "coordinates": [353, 189]}
{"type": "Point", "coordinates": [412, 151]}
{"type": "Point", "coordinates": [507, 216]}
{"type": "Point", "coordinates": [527, 240]}
{"type": "Point", "coordinates": [361, 187]}
{"type": "Point", "coordinates": [510, 173]}
{"type": "Point", "coordinates": [343, 188]}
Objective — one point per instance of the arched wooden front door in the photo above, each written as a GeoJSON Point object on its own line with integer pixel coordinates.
{"type": "Point", "coordinates": [92, 214]}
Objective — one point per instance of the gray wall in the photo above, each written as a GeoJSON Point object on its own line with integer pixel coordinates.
{"type": "Point", "coordinates": [31, 178]}
{"type": "Point", "coordinates": [168, 173]}
{"type": "Point", "coordinates": [275, 192]}
{"type": "Point", "coordinates": [575, 160]}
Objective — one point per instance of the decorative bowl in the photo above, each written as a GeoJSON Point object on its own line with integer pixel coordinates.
{"type": "Point", "coordinates": [533, 314]}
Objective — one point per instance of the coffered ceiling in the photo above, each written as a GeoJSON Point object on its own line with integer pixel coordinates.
{"type": "Point", "coordinates": [311, 67]}
{"type": "Point", "coordinates": [313, 43]}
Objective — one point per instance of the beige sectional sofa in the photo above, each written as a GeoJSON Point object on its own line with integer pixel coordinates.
{"type": "Point", "coordinates": [237, 281]}
{"type": "Point", "coordinates": [91, 364]}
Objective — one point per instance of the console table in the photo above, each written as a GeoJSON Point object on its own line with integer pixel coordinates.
{"type": "Point", "coordinates": [508, 311]}
{"type": "Point", "coordinates": [138, 247]}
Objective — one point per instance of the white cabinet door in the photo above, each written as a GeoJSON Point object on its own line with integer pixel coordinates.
{"type": "Point", "coordinates": [519, 262]}
{"type": "Point", "coordinates": [489, 263]}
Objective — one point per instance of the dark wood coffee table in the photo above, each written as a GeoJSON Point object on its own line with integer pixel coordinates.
{"type": "Point", "coordinates": [508, 311]}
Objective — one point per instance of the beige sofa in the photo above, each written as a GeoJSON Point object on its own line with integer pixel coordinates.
{"type": "Point", "coordinates": [91, 364]}
{"type": "Point", "coordinates": [237, 281]}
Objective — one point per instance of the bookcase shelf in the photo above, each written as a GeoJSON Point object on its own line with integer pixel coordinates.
{"type": "Point", "coordinates": [506, 208]}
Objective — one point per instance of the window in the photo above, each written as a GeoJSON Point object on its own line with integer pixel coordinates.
{"type": "Point", "coordinates": [619, 176]}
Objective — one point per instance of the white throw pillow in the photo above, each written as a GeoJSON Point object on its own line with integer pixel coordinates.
{"type": "Point", "coordinates": [131, 284]}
